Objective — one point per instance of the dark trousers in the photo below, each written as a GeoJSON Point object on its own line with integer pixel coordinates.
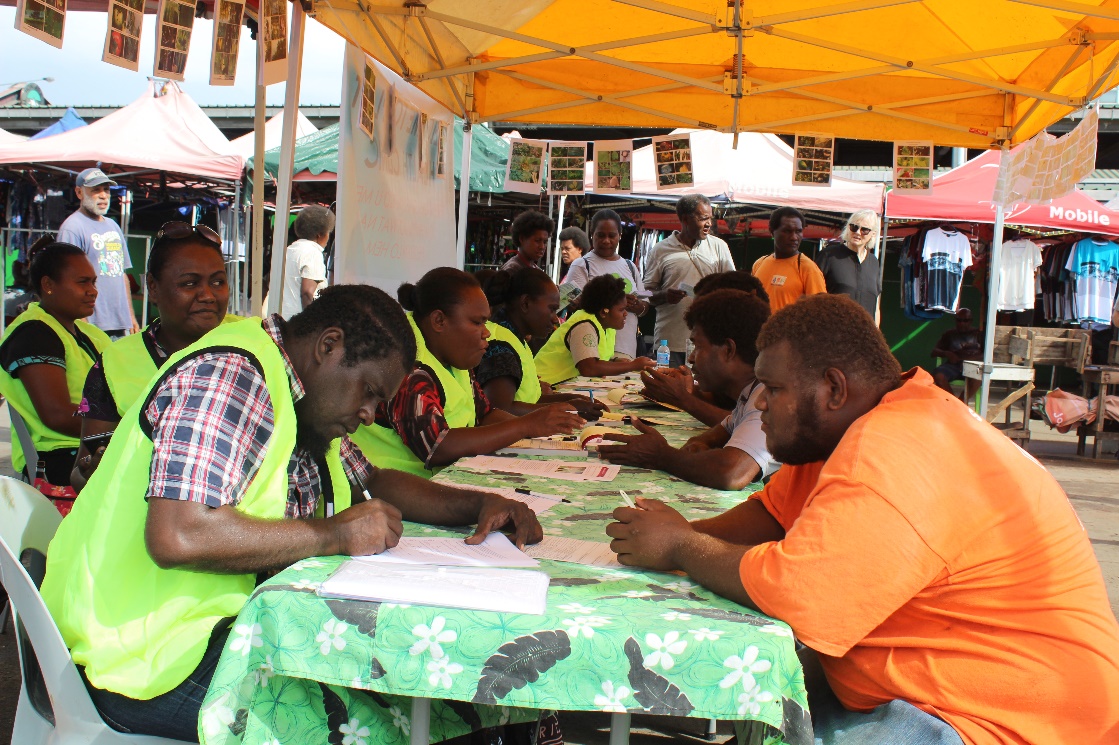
{"type": "Point", "coordinates": [59, 464]}
{"type": "Point", "coordinates": [173, 714]}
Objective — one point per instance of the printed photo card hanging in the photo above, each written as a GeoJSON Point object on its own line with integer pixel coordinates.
{"type": "Point", "coordinates": [913, 166]}
{"type": "Point", "coordinates": [227, 41]}
{"type": "Point", "coordinates": [613, 166]}
{"type": "Point", "coordinates": [273, 36]}
{"type": "Point", "coordinates": [526, 163]}
{"type": "Point", "coordinates": [43, 19]}
{"type": "Point", "coordinates": [172, 38]}
{"type": "Point", "coordinates": [368, 100]}
{"type": "Point", "coordinates": [122, 38]}
{"type": "Point", "coordinates": [812, 159]}
{"type": "Point", "coordinates": [567, 164]}
{"type": "Point", "coordinates": [672, 158]}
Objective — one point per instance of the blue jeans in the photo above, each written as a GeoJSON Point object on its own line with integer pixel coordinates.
{"type": "Point", "coordinates": [895, 723]}
{"type": "Point", "coordinates": [173, 714]}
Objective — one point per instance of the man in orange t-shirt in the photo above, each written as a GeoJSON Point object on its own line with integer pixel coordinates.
{"type": "Point", "coordinates": [938, 570]}
{"type": "Point", "coordinates": [786, 274]}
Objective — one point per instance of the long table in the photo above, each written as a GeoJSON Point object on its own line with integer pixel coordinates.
{"type": "Point", "coordinates": [300, 668]}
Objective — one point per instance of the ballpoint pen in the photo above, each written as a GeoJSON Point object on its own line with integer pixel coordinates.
{"type": "Point", "coordinates": [530, 493]}
{"type": "Point", "coordinates": [627, 500]}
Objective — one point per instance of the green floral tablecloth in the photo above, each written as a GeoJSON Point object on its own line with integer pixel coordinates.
{"type": "Point", "coordinates": [298, 668]}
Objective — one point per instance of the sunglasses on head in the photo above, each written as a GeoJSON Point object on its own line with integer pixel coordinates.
{"type": "Point", "coordinates": [176, 231]}
{"type": "Point", "coordinates": [860, 229]}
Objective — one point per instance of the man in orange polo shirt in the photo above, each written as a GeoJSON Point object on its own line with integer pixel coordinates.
{"type": "Point", "coordinates": [938, 570]}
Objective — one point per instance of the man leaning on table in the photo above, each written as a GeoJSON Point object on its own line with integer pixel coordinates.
{"type": "Point", "coordinates": [938, 570]}
{"type": "Point", "coordinates": [237, 463]}
{"type": "Point", "coordinates": [724, 329]}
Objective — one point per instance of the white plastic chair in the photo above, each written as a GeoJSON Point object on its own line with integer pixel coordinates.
{"type": "Point", "coordinates": [54, 706]}
{"type": "Point", "coordinates": [23, 434]}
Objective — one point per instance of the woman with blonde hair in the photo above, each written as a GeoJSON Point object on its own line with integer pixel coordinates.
{"type": "Point", "coordinates": [849, 265]}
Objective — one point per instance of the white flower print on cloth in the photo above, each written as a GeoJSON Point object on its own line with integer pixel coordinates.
{"type": "Point", "coordinates": [307, 564]}
{"type": "Point", "coordinates": [265, 672]}
{"type": "Point", "coordinates": [613, 575]}
{"type": "Point", "coordinates": [612, 700]}
{"type": "Point", "coordinates": [704, 634]}
{"type": "Point", "coordinates": [585, 625]}
{"type": "Point", "coordinates": [639, 593]}
{"type": "Point", "coordinates": [777, 630]}
{"type": "Point", "coordinates": [331, 636]}
{"type": "Point", "coordinates": [248, 636]}
{"type": "Point", "coordinates": [400, 720]}
{"type": "Point", "coordinates": [650, 487]}
{"type": "Point", "coordinates": [743, 668]}
{"type": "Point", "coordinates": [675, 615]}
{"type": "Point", "coordinates": [682, 585]}
{"type": "Point", "coordinates": [750, 702]}
{"type": "Point", "coordinates": [305, 584]}
{"type": "Point", "coordinates": [432, 637]}
{"type": "Point", "coordinates": [441, 669]}
{"type": "Point", "coordinates": [664, 649]}
{"type": "Point", "coordinates": [575, 608]}
{"type": "Point", "coordinates": [216, 717]}
{"type": "Point", "coordinates": [353, 733]}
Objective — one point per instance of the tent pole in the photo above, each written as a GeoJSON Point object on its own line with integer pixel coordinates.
{"type": "Point", "coordinates": [235, 239]}
{"type": "Point", "coordinates": [994, 271]}
{"type": "Point", "coordinates": [257, 266]}
{"type": "Point", "coordinates": [556, 251]}
{"type": "Point", "coordinates": [287, 159]}
{"type": "Point", "coordinates": [464, 192]}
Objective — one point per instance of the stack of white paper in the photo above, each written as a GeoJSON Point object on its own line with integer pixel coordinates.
{"type": "Point", "coordinates": [553, 469]}
{"type": "Point", "coordinates": [574, 551]}
{"type": "Point", "coordinates": [496, 551]}
{"type": "Point", "coordinates": [472, 588]}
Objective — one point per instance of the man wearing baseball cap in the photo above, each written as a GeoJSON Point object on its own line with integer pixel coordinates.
{"type": "Point", "coordinates": [103, 242]}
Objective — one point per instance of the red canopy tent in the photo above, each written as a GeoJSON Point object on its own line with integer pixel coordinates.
{"type": "Point", "coordinates": [964, 195]}
{"type": "Point", "coordinates": [162, 132]}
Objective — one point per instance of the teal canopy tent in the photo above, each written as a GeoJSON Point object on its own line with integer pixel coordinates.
{"type": "Point", "coordinates": [316, 158]}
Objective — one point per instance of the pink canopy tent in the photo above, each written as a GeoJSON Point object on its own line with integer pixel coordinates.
{"type": "Point", "coordinates": [7, 137]}
{"type": "Point", "coordinates": [760, 171]}
{"type": "Point", "coordinates": [163, 131]}
{"type": "Point", "coordinates": [964, 195]}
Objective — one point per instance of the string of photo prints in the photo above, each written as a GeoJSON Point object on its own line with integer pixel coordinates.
{"type": "Point", "coordinates": [813, 156]}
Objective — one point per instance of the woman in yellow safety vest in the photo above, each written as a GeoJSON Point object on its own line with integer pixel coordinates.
{"type": "Point", "coordinates": [523, 306]}
{"type": "Point", "coordinates": [584, 344]}
{"type": "Point", "coordinates": [187, 282]}
{"type": "Point", "coordinates": [45, 355]}
{"type": "Point", "coordinates": [440, 413]}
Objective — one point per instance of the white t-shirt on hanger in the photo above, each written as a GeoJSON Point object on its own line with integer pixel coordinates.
{"type": "Point", "coordinates": [1020, 260]}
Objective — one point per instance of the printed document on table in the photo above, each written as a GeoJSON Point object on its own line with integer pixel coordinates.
{"type": "Point", "coordinates": [538, 502]}
{"type": "Point", "coordinates": [496, 551]}
{"type": "Point", "coordinates": [553, 469]}
{"type": "Point", "coordinates": [472, 588]}
{"type": "Point", "coordinates": [574, 551]}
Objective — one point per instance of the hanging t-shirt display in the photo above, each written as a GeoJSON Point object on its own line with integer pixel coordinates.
{"type": "Point", "coordinates": [1017, 288]}
{"type": "Point", "coordinates": [947, 254]}
{"type": "Point", "coordinates": [1095, 262]}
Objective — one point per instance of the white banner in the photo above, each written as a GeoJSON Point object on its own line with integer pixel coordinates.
{"type": "Point", "coordinates": [396, 208]}
{"type": "Point", "coordinates": [1047, 167]}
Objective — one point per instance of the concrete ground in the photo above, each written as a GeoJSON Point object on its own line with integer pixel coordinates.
{"type": "Point", "coordinates": [1093, 488]}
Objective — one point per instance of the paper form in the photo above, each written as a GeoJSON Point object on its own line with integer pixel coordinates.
{"type": "Point", "coordinates": [553, 469]}
{"type": "Point", "coordinates": [574, 551]}
{"type": "Point", "coordinates": [496, 551]}
{"type": "Point", "coordinates": [473, 588]}
{"type": "Point", "coordinates": [538, 502]}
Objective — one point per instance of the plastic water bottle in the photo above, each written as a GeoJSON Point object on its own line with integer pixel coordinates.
{"type": "Point", "coordinates": [664, 355]}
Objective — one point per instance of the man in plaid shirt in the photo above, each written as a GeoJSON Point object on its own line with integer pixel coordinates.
{"type": "Point", "coordinates": [212, 420]}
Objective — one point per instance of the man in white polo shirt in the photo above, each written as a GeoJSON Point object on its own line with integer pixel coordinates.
{"type": "Point", "coordinates": [683, 258]}
{"type": "Point", "coordinates": [724, 328]}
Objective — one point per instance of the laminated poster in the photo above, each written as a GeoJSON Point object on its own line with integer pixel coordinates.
{"type": "Point", "coordinates": [613, 166]}
{"type": "Point", "coordinates": [172, 38]}
{"type": "Point", "coordinates": [368, 98]}
{"type": "Point", "coordinates": [812, 160]}
{"type": "Point", "coordinates": [43, 19]}
{"type": "Point", "coordinates": [274, 40]}
{"type": "Point", "coordinates": [444, 139]}
{"type": "Point", "coordinates": [122, 39]}
{"type": "Point", "coordinates": [567, 167]}
{"type": "Point", "coordinates": [526, 162]}
{"type": "Point", "coordinates": [673, 154]}
{"type": "Point", "coordinates": [227, 41]}
{"type": "Point", "coordinates": [913, 167]}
